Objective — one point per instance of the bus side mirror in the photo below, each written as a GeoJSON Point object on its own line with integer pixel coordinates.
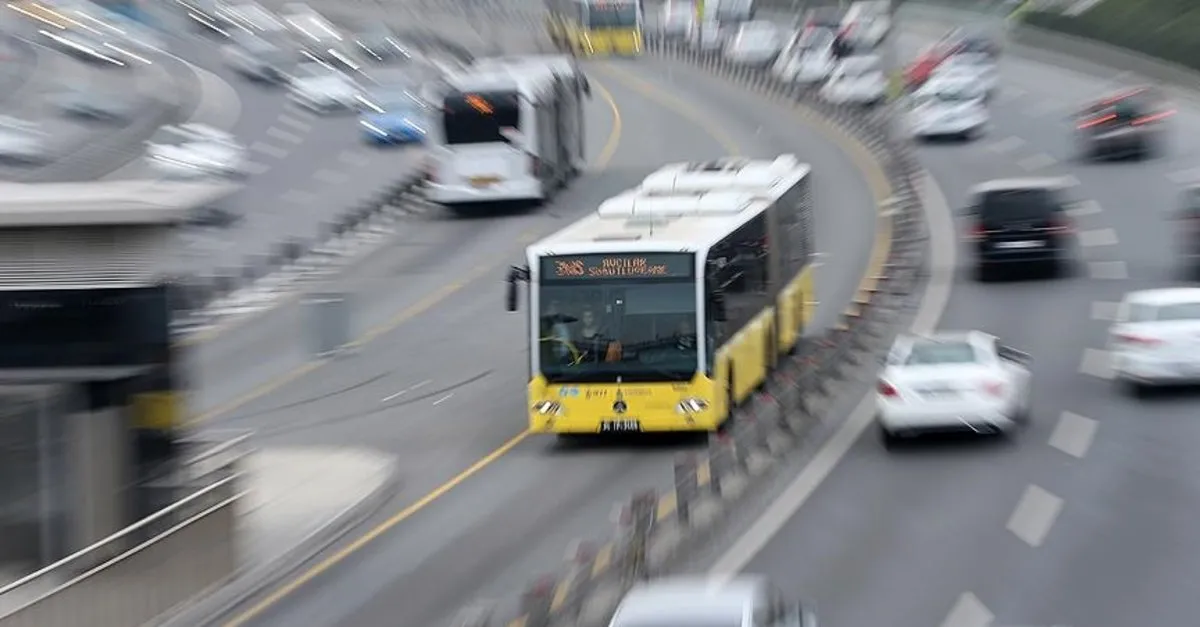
{"type": "Point", "coordinates": [716, 306]}
{"type": "Point", "coordinates": [587, 87]}
{"type": "Point", "coordinates": [515, 274]}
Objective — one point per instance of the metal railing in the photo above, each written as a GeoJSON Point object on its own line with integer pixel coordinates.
{"type": "Point", "coordinates": [139, 573]}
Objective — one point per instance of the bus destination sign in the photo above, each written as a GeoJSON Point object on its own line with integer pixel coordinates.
{"type": "Point", "coordinates": [618, 266]}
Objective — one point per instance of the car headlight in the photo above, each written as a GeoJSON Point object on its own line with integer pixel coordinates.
{"type": "Point", "coordinates": [691, 406]}
{"type": "Point", "coordinates": [548, 408]}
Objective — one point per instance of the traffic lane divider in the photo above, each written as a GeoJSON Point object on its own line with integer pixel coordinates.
{"type": "Point", "coordinates": [658, 528]}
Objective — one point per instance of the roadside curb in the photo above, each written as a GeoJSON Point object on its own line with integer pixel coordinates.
{"type": "Point", "coordinates": [657, 529]}
{"type": "Point", "coordinates": [256, 579]}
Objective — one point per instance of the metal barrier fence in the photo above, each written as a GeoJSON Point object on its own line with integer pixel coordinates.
{"type": "Point", "coordinates": [141, 572]}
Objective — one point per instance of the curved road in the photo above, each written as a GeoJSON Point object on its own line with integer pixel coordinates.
{"type": "Point", "coordinates": [441, 383]}
{"type": "Point", "coordinates": [1088, 517]}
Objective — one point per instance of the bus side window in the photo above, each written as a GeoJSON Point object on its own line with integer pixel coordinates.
{"type": "Point", "coordinates": [742, 276]}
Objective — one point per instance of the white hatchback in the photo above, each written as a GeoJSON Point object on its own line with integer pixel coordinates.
{"type": "Point", "coordinates": [857, 80]}
{"type": "Point", "coordinates": [964, 381]}
{"type": "Point", "coordinates": [941, 112]}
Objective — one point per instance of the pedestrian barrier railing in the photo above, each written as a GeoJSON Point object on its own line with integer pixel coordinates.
{"type": "Point", "coordinates": [141, 572]}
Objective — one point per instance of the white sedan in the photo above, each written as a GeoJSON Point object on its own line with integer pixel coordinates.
{"type": "Point", "coordinates": [952, 382]}
{"type": "Point", "coordinates": [1155, 339]}
{"type": "Point", "coordinates": [808, 59]}
{"type": "Point", "coordinates": [857, 80]}
{"type": "Point", "coordinates": [321, 88]}
{"type": "Point", "coordinates": [195, 150]}
{"type": "Point", "coordinates": [22, 141]}
{"type": "Point", "coordinates": [979, 67]}
{"type": "Point", "coordinates": [755, 43]}
{"type": "Point", "coordinates": [945, 112]}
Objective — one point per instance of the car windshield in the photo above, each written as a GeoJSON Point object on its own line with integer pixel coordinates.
{"type": "Point", "coordinates": [596, 328]}
{"type": "Point", "coordinates": [1018, 205]}
{"type": "Point", "coordinates": [1177, 311]}
{"type": "Point", "coordinates": [936, 353]}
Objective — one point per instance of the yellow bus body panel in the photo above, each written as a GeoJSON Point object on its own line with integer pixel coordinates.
{"type": "Point", "coordinates": [609, 42]}
{"type": "Point", "coordinates": [581, 407]}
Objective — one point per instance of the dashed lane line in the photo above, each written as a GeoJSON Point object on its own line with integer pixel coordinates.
{"type": "Point", "coordinates": [1096, 363]}
{"type": "Point", "coordinates": [1037, 162]}
{"type": "Point", "coordinates": [1109, 270]}
{"type": "Point", "coordinates": [1105, 310]}
{"type": "Point", "coordinates": [331, 177]}
{"type": "Point", "coordinates": [1035, 515]}
{"type": "Point", "coordinates": [969, 611]}
{"type": "Point", "coordinates": [277, 133]}
{"type": "Point", "coordinates": [1098, 237]}
{"type": "Point", "coordinates": [271, 150]}
{"type": "Point", "coordinates": [1084, 208]}
{"type": "Point", "coordinates": [1073, 434]}
{"type": "Point", "coordinates": [1006, 145]}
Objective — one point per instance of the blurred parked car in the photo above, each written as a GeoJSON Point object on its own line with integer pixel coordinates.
{"type": "Point", "coordinates": [755, 43]}
{"type": "Point", "coordinates": [857, 80]}
{"type": "Point", "coordinates": [323, 89]}
{"type": "Point", "coordinates": [93, 103]}
{"type": "Point", "coordinates": [807, 59]}
{"type": "Point", "coordinates": [195, 150]}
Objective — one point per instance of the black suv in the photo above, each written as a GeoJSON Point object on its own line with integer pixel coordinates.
{"type": "Point", "coordinates": [1126, 124]}
{"type": "Point", "coordinates": [1018, 224]}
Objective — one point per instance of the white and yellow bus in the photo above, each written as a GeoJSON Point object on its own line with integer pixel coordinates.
{"type": "Point", "coordinates": [595, 27]}
{"type": "Point", "coordinates": [671, 304]}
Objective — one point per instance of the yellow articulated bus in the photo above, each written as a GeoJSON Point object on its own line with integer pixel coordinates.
{"type": "Point", "coordinates": [595, 27]}
{"type": "Point", "coordinates": [671, 304]}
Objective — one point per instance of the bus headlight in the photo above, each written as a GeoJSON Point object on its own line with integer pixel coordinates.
{"type": "Point", "coordinates": [691, 406]}
{"type": "Point", "coordinates": [547, 408]}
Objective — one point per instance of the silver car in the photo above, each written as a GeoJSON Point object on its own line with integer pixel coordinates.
{"type": "Point", "coordinates": [321, 88]}
{"type": "Point", "coordinates": [744, 601]}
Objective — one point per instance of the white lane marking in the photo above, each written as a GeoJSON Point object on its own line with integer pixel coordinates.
{"type": "Point", "coordinates": [943, 253]}
{"type": "Point", "coordinates": [299, 125]}
{"type": "Point", "coordinates": [298, 197]}
{"type": "Point", "coordinates": [256, 168]}
{"type": "Point", "coordinates": [331, 177]}
{"type": "Point", "coordinates": [1098, 237]}
{"type": "Point", "coordinates": [1105, 310]}
{"type": "Point", "coordinates": [1073, 434]}
{"type": "Point", "coordinates": [406, 390]}
{"type": "Point", "coordinates": [1015, 91]}
{"type": "Point", "coordinates": [282, 135]}
{"type": "Point", "coordinates": [352, 158]}
{"type": "Point", "coordinates": [219, 106]}
{"type": "Point", "coordinates": [1096, 363]}
{"type": "Point", "coordinates": [443, 399]}
{"type": "Point", "coordinates": [1084, 208]}
{"type": "Point", "coordinates": [1071, 180]}
{"type": "Point", "coordinates": [969, 611]}
{"type": "Point", "coordinates": [1037, 162]}
{"type": "Point", "coordinates": [1034, 515]}
{"type": "Point", "coordinates": [1114, 270]}
{"type": "Point", "coordinates": [1008, 144]}
{"type": "Point", "coordinates": [270, 150]}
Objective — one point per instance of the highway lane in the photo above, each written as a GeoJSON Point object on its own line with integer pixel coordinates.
{"type": "Point", "coordinates": [446, 388]}
{"type": "Point", "coordinates": [1084, 518]}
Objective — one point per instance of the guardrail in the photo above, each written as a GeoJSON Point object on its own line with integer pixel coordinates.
{"type": "Point", "coordinates": [139, 573]}
{"type": "Point", "coordinates": [657, 529]}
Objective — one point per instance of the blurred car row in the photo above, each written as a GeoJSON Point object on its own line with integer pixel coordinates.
{"type": "Point", "coordinates": [87, 31]}
{"type": "Point", "coordinates": [832, 48]}
{"type": "Point", "coordinates": [25, 142]}
{"type": "Point", "coordinates": [949, 85]}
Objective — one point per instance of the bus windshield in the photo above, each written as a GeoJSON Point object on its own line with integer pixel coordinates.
{"type": "Point", "coordinates": [596, 330]}
{"type": "Point", "coordinates": [612, 15]}
{"type": "Point", "coordinates": [479, 117]}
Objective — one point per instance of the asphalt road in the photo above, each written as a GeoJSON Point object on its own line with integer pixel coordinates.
{"type": "Point", "coordinates": [443, 385]}
{"type": "Point", "coordinates": [1087, 518]}
{"type": "Point", "coordinates": [305, 169]}
{"type": "Point", "coordinates": [34, 99]}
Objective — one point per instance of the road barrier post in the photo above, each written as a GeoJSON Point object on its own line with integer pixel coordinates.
{"type": "Point", "coordinates": [535, 603]}
{"type": "Point", "coordinates": [686, 486]}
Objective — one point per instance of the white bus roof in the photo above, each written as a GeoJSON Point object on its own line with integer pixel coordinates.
{"type": "Point", "coordinates": [725, 173]}
{"type": "Point", "coordinates": [524, 80]}
{"type": "Point", "coordinates": [559, 63]}
{"type": "Point", "coordinates": [683, 221]}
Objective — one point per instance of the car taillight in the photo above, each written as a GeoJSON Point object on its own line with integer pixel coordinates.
{"type": "Point", "coordinates": [1149, 119]}
{"type": "Point", "coordinates": [1061, 224]}
{"type": "Point", "coordinates": [977, 232]}
{"type": "Point", "coordinates": [887, 390]}
{"type": "Point", "coordinates": [1134, 339]}
{"type": "Point", "coordinates": [993, 388]}
{"type": "Point", "coordinates": [1097, 121]}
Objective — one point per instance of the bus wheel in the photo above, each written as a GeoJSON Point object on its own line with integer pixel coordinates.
{"type": "Point", "coordinates": [730, 404]}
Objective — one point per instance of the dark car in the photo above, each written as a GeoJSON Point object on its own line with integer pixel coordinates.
{"type": "Point", "coordinates": [1020, 224]}
{"type": "Point", "coordinates": [1127, 124]}
{"type": "Point", "coordinates": [1187, 229]}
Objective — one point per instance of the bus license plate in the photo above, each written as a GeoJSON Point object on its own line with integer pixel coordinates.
{"type": "Point", "coordinates": [620, 426]}
{"type": "Point", "coordinates": [484, 181]}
